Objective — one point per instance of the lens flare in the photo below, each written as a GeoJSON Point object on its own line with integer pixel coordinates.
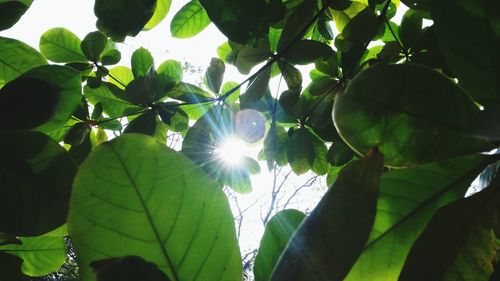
{"type": "Point", "coordinates": [231, 150]}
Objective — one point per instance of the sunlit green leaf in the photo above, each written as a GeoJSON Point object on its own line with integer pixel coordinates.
{"type": "Point", "coordinates": [120, 76]}
{"type": "Point", "coordinates": [190, 20]}
{"type": "Point", "coordinates": [411, 113]}
{"type": "Point", "coordinates": [61, 45]}
{"type": "Point", "coordinates": [37, 175]}
{"type": "Point", "coordinates": [328, 242]}
{"type": "Point", "coordinates": [300, 151]}
{"type": "Point", "coordinates": [142, 61]}
{"type": "Point", "coordinates": [341, 18]}
{"type": "Point", "coordinates": [161, 11]}
{"type": "Point", "coordinates": [172, 69]}
{"type": "Point", "coordinates": [113, 106]}
{"type": "Point", "coordinates": [278, 231]}
{"type": "Point", "coordinates": [136, 192]}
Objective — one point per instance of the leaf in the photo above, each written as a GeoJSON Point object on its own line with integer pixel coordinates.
{"type": "Point", "coordinates": [136, 192]}
{"type": "Point", "coordinates": [41, 255]}
{"type": "Point", "coordinates": [189, 93]}
{"type": "Point", "coordinates": [171, 69]}
{"type": "Point", "coordinates": [342, 18]}
{"type": "Point", "coordinates": [230, 86]}
{"type": "Point", "coordinates": [142, 61]}
{"type": "Point", "coordinates": [215, 75]}
{"type": "Point", "coordinates": [300, 151]}
{"type": "Point", "coordinates": [118, 21]}
{"type": "Point", "coordinates": [327, 243]}
{"type": "Point", "coordinates": [93, 45]}
{"type": "Point", "coordinates": [459, 241]}
{"type": "Point", "coordinates": [320, 165]}
{"type": "Point", "coordinates": [411, 113]}
{"type": "Point", "coordinates": [252, 54]}
{"type": "Point", "coordinates": [161, 11]}
{"type": "Point", "coordinates": [411, 28]}
{"type": "Point", "coordinates": [16, 58]}
{"type": "Point", "coordinates": [279, 230]}
{"type": "Point", "coordinates": [142, 90]}
{"type": "Point", "coordinates": [296, 22]}
{"type": "Point", "coordinates": [11, 268]}
{"type": "Point", "coordinates": [8, 239]}
{"type": "Point", "coordinates": [339, 153]}
{"type": "Point", "coordinates": [144, 124]}
{"type": "Point", "coordinates": [238, 20]}
{"type": "Point", "coordinates": [127, 268]}
{"type": "Point", "coordinates": [11, 12]}
{"type": "Point", "coordinates": [27, 94]}
{"type": "Point", "coordinates": [481, 79]}
{"type": "Point", "coordinates": [307, 51]}
{"type": "Point", "coordinates": [408, 199]}
{"type": "Point", "coordinates": [275, 146]}
{"type": "Point", "coordinates": [110, 57]}
{"type": "Point", "coordinates": [292, 75]}
{"type": "Point", "coordinates": [256, 89]}
{"type": "Point", "coordinates": [36, 179]}
{"type": "Point", "coordinates": [113, 106]}
{"type": "Point", "coordinates": [190, 20]}
{"type": "Point", "coordinates": [61, 45]}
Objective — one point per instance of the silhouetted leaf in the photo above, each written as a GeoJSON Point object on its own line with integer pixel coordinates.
{"type": "Point", "coordinates": [61, 45]}
{"type": "Point", "coordinates": [411, 28]}
{"type": "Point", "coordinates": [117, 20]}
{"type": "Point", "coordinates": [298, 19]}
{"type": "Point", "coordinates": [411, 113]}
{"type": "Point", "coordinates": [12, 11]}
{"type": "Point", "coordinates": [119, 199]}
{"type": "Point", "coordinates": [190, 20]}
{"type": "Point", "coordinates": [93, 45]}
{"type": "Point", "coordinates": [161, 11]}
{"type": "Point", "coordinates": [215, 74]}
{"type": "Point", "coordinates": [279, 230]}
{"type": "Point", "coordinates": [292, 75]}
{"type": "Point", "coordinates": [329, 241]}
{"type": "Point", "coordinates": [129, 268]}
{"type": "Point", "coordinates": [143, 124]}
{"type": "Point", "coordinates": [110, 57]}
{"type": "Point", "coordinates": [307, 51]}
{"type": "Point", "coordinates": [37, 175]}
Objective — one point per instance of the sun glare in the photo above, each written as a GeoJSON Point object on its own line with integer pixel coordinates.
{"type": "Point", "coordinates": [232, 150]}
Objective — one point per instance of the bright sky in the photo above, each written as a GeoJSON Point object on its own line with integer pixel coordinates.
{"type": "Point", "coordinates": [78, 16]}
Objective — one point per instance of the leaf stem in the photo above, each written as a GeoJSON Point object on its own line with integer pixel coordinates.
{"type": "Point", "coordinates": [405, 52]}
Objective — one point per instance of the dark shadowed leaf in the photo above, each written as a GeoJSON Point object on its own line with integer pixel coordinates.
{"type": "Point", "coordinates": [61, 45]}
{"type": "Point", "coordinates": [298, 19]}
{"type": "Point", "coordinates": [239, 20]}
{"type": "Point", "coordinates": [16, 58]}
{"type": "Point", "coordinates": [252, 54]}
{"type": "Point", "coordinates": [77, 134]}
{"type": "Point", "coordinates": [93, 45]}
{"type": "Point", "coordinates": [129, 268]}
{"type": "Point", "coordinates": [119, 198]}
{"type": "Point", "coordinates": [279, 230]}
{"type": "Point", "coordinates": [37, 175]}
{"type": "Point", "coordinates": [411, 28]}
{"type": "Point", "coordinates": [481, 79]}
{"type": "Point", "coordinates": [144, 124]}
{"type": "Point", "coordinates": [12, 11]}
{"type": "Point", "coordinates": [327, 243]}
{"type": "Point", "coordinates": [257, 88]}
{"type": "Point", "coordinates": [117, 19]}
{"type": "Point", "coordinates": [459, 241]}
{"type": "Point", "coordinates": [189, 93]}
{"type": "Point", "coordinates": [215, 74]}
{"type": "Point", "coordinates": [11, 268]}
{"type": "Point", "coordinates": [292, 75]}
{"type": "Point", "coordinates": [190, 20]}
{"type": "Point", "coordinates": [110, 57]}
{"type": "Point", "coordinates": [408, 199]}
{"type": "Point", "coordinates": [411, 113]}
{"type": "Point", "coordinates": [307, 51]}
{"type": "Point", "coordinates": [300, 151]}
{"type": "Point", "coordinates": [114, 105]}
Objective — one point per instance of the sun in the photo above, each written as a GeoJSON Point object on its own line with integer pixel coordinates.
{"type": "Point", "coordinates": [231, 150]}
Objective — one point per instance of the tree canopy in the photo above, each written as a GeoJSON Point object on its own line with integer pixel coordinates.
{"type": "Point", "coordinates": [402, 118]}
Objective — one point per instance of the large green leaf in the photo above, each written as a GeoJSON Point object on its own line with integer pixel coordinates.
{"type": "Point", "coordinates": [123, 74]}
{"type": "Point", "coordinates": [112, 105]}
{"type": "Point", "coordinates": [12, 11]}
{"type": "Point", "coordinates": [408, 198]}
{"type": "Point", "coordinates": [476, 64]}
{"type": "Point", "coordinates": [118, 19]}
{"type": "Point", "coordinates": [69, 84]}
{"type": "Point", "coordinates": [171, 69]}
{"type": "Point", "coordinates": [330, 239]}
{"type": "Point", "coordinates": [16, 58]}
{"type": "Point", "coordinates": [239, 20]}
{"type": "Point", "coordinates": [41, 255]}
{"type": "Point", "coordinates": [161, 11]}
{"type": "Point", "coordinates": [300, 150]}
{"type": "Point", "coordinates": [252, 54]}
{"type": "Point", "coordinates": [37, 174]}
{"type": "Point", "coordinates": [296, 22]}
{"type": "Point", "coordinates": [190, 20]}
{"type": "Point", "coordinates": [134, 196]}
{"type": "Point", "coordinates": [459, 242]}
{"type": "Point", "coordinates": [61, 45]}
{"type": "Point", "coordinates": [279, 230]}
{"type": "Point", "coordinates": [411, 113]}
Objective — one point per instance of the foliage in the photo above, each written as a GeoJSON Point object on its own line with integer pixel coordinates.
{"type": "Point", "coordinates": [399, 116]}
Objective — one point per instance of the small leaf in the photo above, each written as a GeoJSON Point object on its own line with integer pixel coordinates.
{"type": "Point", "coordinates": [127, 268]}
{"type": "Point", "coordinates": [77, 133]}
{"type": "Point", "coordinates": [118, 21]}
{"type": "Point", "coordinates": [307, 51]}
{"type": "Point", "coordinates": [113, 105]}
{"type": "Point", "coordinates": [292, 75]}
{"type": "Point", "coordinates": [93, 45]}
{"type": "Point", "coordinates": [459, 241]}
{"type": "Point", "coordinates": [256, 89]}
{"type": "Point", "coordinates": [97, 112]}
{"type": "Point", "coordinates": [296, 22]}
{"type": "Point", "coordinates": [300, 151]}
{"type": "Point", "coordinates": [411, 28]}
{"type": "Point", "coordinates": [252, 54]}
{"type": "Point", "coordinates": [171, 69]}
{"type": "Point", "coordinates": [278, 232]}
{"type": "Point", "coordinates": [37, 174]}
{"type": "Point", "coordinates": [113, 125]}
{"type": "Point", "coordinates": [142, 61]}
{"type": "Point", "coordinates": [61, 45]}
{"type": "Point", "coordinates": [190, 20]}
{"type": "Point", "coordinates": [419, 117]}
{"type": "Point", "coordinates": [144, 124]}
{"type": "Point", "coordinates": [11, 12]}
{"type": "Point", "coordinates": [134, 178]}
{"type": "Point", "coordinates": [161, 11]}
{"type": "Point", "coordinates": [328, 243]}
{"type": "Point", "coordinates": [110, 57]}
{"type": "Point", "coordinates": [17, 58]}
{"type": "Point", "coordinates": [215, 74]}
